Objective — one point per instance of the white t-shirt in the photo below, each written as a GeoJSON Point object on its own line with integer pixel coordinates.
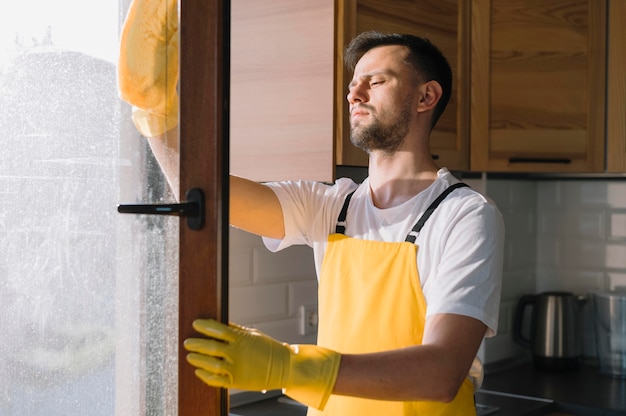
{"type": "Point", "coordinates": [460, 247]}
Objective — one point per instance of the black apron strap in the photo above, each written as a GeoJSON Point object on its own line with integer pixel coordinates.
{"type": "Point", "coordinates": [429, 211]}
{"type": "Point", "coordinates": [340, 228]}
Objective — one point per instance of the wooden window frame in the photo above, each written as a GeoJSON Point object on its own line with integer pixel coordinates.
{"type": "Point", "coordinates": [204, 159]}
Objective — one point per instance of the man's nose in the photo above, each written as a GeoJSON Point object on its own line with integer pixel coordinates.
{"type": "Point", "coordinates": [356, 94]}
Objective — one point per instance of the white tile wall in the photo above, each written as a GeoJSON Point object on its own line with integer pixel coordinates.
{"type": "Point", "coordinates": [581, 240]}
{"type": "Point", "coordinates": [561, 235]}
{"type": "Point", "coordinates": [267, 289]}
{"type": "Point", "coordinates": [517, 201]}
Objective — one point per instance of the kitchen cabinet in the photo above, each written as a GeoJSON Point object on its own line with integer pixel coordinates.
{"type": "Point", "coordinates": [288, 117]}
{"type": "Point", "coordinates": [529, 95]}
{"type": "Point", "coordinates": [282, 89]}
{"type": "Point", "coordinates": [443, 22]}
{"type": "Point", "coordinates": [538, 85]}
{"type": "Point", "coordinates": [533, 98]}
{"type": "Point", "coordinates": [616, 87]}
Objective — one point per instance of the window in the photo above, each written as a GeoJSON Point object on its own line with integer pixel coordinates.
{"type": "Point", "coordinates": [89, 296]}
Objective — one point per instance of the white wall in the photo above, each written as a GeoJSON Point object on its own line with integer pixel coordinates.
{"type": "Point", "coordinates": [560, 235]}
{"type": "Point", "coordinates": [581, 240]}
{"type": "Point", "coordinates": [267, 289]}
{"type": "Point", "coordinates": [517, 201]}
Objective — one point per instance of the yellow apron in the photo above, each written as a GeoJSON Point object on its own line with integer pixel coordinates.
{"type": "Point", "coordinates": [370, 299]}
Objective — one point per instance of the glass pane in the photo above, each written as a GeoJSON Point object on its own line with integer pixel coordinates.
{"type": "Point", "coordinates": [89, 296]}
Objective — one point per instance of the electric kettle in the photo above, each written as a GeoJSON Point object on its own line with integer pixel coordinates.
{"type": "Point", "coordinates": [554, 333]}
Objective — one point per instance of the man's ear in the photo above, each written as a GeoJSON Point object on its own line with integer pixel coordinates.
{"type": "Point", "coordinates": [430, 94]}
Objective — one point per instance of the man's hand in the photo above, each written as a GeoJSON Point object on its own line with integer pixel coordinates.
{"type": "Point", "coordinates": [148, 65]}
{"type": "Point", "coordinates": [237, 357]}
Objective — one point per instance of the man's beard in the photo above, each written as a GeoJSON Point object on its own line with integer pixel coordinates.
{"type": "Point", "coordinates": [384, 137]}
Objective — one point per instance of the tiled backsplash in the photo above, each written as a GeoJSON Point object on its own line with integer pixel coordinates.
{"type": "Point", "coordinates": [517, 201]}
{"type": "Point", "coordinates": [267, 289]}
{"type": "Point", "coordinates": [581, 240]}
{"type": "Point", "coordinates": [560, 235]}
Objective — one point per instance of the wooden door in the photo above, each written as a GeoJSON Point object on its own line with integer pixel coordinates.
{"type": "Point", "coordinates": [538, 85]}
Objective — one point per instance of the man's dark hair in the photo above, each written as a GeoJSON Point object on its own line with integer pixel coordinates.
{"type": "Point", "coordinates": [424, 57]}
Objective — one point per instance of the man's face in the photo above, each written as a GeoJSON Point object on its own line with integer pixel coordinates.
{"type": "Point", "coordinates": [381, 100]}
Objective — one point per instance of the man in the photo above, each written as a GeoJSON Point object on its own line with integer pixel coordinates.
{"type": "Point", "coordinates": [405, 297]}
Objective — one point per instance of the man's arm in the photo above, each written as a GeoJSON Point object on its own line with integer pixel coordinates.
{"type": "Point", "coordinates": [147, 79]}
{"type": "Point", "coordinates": [434, 370]}
{"type": "Point", "coordinates": [166, 151]}
{"type": "Point", "coordinates": [254, 207]}
{"type": "Point", "coordinates": [237, 357]}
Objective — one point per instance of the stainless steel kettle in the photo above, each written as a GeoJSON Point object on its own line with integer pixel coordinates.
{"type": "Point", "coordinates": [554, 337]}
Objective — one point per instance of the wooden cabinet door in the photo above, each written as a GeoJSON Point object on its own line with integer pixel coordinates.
{"type": "Point", "coordinates": [538, 85]}
{"type": "Point", "coordinates": [616, 88]}
{"type": "Point", "coordinates": [282, 89]}
{"type": "Point", "coordinates": [445, 23]}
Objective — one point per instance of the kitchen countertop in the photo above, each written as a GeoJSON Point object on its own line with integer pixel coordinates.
{"type": "Point", "coordinates": [517, 389]}
{"type": "Point", "coordinates": [582, 391]}
{"type": "Point", "coordinates": [488, 404]}
{"type": "Point", "coordinates": [498, 404]}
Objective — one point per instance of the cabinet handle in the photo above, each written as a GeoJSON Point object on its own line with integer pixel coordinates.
{"type": "Point", "coordinates": [563, 160]}
{"type": "Point", "coordinates": [192, 208]}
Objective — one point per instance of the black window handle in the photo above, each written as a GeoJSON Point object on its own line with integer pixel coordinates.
{"type": "Point", "coordinates": [192, 208]}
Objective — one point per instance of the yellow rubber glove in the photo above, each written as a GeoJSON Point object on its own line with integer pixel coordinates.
{"type": "Point", "coordinates": [147, 70]}
{"type": "Point", "coordinates": [237, 357]}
